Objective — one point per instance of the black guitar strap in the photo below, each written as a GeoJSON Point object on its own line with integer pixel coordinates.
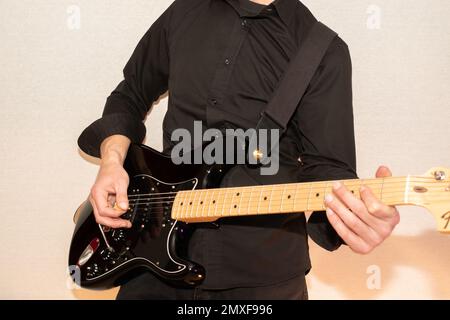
{"type": "Point", "coordinates": [295, 81]}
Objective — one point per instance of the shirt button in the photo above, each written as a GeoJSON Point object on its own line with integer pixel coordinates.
{"type": "Point", "coordinates": [214, 101]}
{"type": "Point", "coordinates": [244, 23]}
{"type": "Point", "coordinates": [227, 61]}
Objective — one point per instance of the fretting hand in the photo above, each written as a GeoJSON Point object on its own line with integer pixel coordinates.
{"type": "Point", "coordinates": [363, 223]}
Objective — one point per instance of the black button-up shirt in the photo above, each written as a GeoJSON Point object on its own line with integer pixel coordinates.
{"type": "Point", "coordinates": [221, 61]}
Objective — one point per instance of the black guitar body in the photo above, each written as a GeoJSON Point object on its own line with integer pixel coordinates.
{"type": "Point", "coordinates": [102, 258]}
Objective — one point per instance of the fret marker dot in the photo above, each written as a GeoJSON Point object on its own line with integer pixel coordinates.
{"type": "Point", "coordinates": [265, 198]}
{"type": "Point", "coordinates": [190, 203]}
{"type": "Point", "coordinates": [235, 206]}
{"type": "Point", "coordinates": [214, 201]}
{"type": "Point", "coordinates": [317, 194]}
{"type": "Point", "coordinates": [238, 194]}
{"type": "Point", "coordinates": [289, 196]}
{"type": "Point", "coordinates": [201, 202]}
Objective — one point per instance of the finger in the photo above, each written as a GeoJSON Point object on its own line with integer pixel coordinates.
{"type": "Point", "coordinates": [100, 198]}
{"type": "Point", "coordinates": [383, 172]}
{"type": "Point", "coordinates": [354, 204]}
{"type": "Point", "coordinates": [111, 200]}
{"type": "Point", "coordinates": [107, 221]}
{"type": "Point", "coordinates": [374, 206]}
{"type": "Point", "coordinates": [349, 237]}
{"type": "Point", "coordinates": [350, 219]}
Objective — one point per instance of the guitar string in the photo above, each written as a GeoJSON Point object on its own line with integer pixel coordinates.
{"type": "Point", "coordinates": [277, 201]}
{"type": "Point", "coordinates": [288, 187]}
{"type": "Point", "coordinates": [306, 184]}
{"type": "Point", "coordinates": [227, 192]}
{"type": "Point", "coordinates": [294, 185]}
{"type": "Point", "coordinates": [291, 187]}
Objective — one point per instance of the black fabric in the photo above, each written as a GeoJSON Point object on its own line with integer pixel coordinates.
{"type": "Point", "coordinates": [294, 83]}
{"type": "Point", "coordinates": [147, 287]}
{"type": "Point", "coordinates": [297, 77]}
{"type": "Point", "coordinates": [221, 61]}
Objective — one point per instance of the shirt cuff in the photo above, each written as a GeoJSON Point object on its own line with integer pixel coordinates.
{"type": "Point", "coordinates": [118, 123]}
{"type": "Point", "coordinates": [322, 232]}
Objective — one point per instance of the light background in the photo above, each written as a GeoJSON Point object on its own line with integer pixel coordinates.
{"type": "Point", "coordinates": [56, 75]}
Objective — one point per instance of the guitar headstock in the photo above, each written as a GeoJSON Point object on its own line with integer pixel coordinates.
{"type": "Point", "coordinates": [432, 191]}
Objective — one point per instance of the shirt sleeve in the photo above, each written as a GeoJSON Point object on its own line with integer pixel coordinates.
{"type": "Point", "coordinates": [325, 123]}
{"type": "Point", "coordinates": [145, 79]}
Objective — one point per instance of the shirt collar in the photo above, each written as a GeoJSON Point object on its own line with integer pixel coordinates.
{"type": "Point", "coordinates": [284, 8]}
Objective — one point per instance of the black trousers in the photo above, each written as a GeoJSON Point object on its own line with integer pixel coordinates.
{"type": "Point", "coordinates": [148, 287]}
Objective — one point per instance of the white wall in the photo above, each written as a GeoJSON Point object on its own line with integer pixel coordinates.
{"type": "Point", "coordinates": [54, 80]}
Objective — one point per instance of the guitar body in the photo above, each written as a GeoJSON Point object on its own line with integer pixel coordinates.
{"type": "Point", "coordinates": [102, 258]}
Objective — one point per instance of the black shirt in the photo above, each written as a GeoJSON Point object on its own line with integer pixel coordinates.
{"type": "Point", "coordinates": [220, 61]}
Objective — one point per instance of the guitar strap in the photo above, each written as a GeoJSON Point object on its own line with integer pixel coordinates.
{"type": "Point", "coordinates": [294, 83]}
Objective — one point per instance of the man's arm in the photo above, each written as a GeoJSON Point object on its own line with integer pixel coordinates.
{"type": "Point", "coordinates": [325, 123]}
{"type": "Point", "coordinates": [145, 79]}
{"type": "Point", "coordinates": [109, 193]}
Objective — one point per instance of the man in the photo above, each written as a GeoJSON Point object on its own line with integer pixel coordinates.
{"type": "Point", "coordinates": [221, 60]}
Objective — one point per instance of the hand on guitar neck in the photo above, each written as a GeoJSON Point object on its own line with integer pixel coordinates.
{"type": "Point", "coordinates": [362, 222]}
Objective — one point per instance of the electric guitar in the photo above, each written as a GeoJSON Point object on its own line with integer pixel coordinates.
{"type": "Point", "coordinates": [167, 201]}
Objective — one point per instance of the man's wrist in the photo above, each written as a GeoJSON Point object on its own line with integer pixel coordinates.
{"type": "Point", "coordinates": [114, 149]}
{"type": "Point", "coordinates": [112, 157]}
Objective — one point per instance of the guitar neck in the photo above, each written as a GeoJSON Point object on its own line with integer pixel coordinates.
{"type": "Point", "coordinates": [212, 204]}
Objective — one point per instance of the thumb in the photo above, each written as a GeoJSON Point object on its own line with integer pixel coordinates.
{"type": "Point", "coordinates": [383, 172]}
{"type": "Point", "coordinates": [121, 197]}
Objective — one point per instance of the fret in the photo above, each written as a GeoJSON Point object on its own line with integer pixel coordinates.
{"type": "Point", "coordinates": [215, 201]}
{"type": "Point", "coordinates": [357, 192]}
{"type": "Point", "coordinates": [316, 190]}
{"type": "Point", "coordinates": [224, 200]}
{"type": "Point", "coordinates": [297, 187]}
{"type": "Point", "coordinates": [186, 205]}
{"type": "Point", "coordinates": [309, 196]}
{"type": "Point", "coordinates": [231, 203]}
{"type": "Point", "coordinates": [324, 194]}
{"type": "Point", "coordinates": [259, 202]}
{"type": "Point", "coordinates": [206, 204]}
{"type": "Point", "coordinates": [176, 206]}
{"type": "Point", "coordinates": [229, 194]}
{"type": "Point", "coordinates": [192, 204]}
{"type": "Point", "coordinates": [241, 195]}
{"type": "Point", "coordinates": [270, 198]}
{"type": "Point", "coordinates": [282, 198]}
{"type": "Point", "coordinates": [211, 212]}
{"type": "Point", "coordinates": [382, 188]}
{"type": "Point", "coordinates": [250, 201]}
{"type": "Point", "coordinates": [181, 205]}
